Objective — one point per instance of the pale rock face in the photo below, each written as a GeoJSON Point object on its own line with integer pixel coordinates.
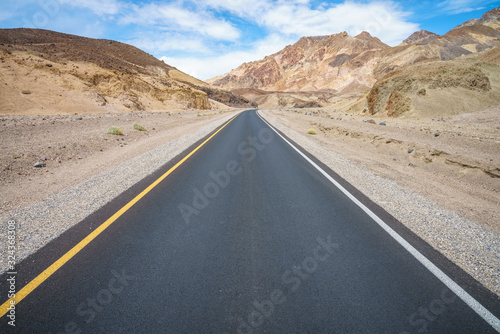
{"type": "Point", "coordinates": [312, 64]}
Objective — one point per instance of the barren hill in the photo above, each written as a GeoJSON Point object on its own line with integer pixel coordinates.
{"type": "Point", "coordinates": [46, 72]}
{"type": "Point", "coordinates": [313, 63]}
{"type": "Point", "coordinates": [450, 74]}
{"type": "Point", "coordinates": [319, 69]}
{"type": "Point", "coordinates": [462, 85]}
{"type": "Point", "coordinates": [490, 18]}
{"type": "Point", "coordinates": [419, 36]}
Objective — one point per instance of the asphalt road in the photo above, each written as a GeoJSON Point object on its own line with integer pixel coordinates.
{"type": "Point", "coordinates": [246, 236]}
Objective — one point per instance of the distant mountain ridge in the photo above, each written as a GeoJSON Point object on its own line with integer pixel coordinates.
{"type": "Point", "coordinates": [312, 64]}
{"type": "Point", "coordinates": [419, 36]}
{"type": "Point", "coordinates": [491, 17]}
{"type": "Point", "coordinates": [343, 64]}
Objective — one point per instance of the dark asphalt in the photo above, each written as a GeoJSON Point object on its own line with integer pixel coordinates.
{"type": "Point", "coordinates": [245, 237]}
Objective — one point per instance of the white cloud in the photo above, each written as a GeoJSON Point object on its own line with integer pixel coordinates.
{"type": "Point", "coordinates": [242, 8]}
{"type": "Point", "coordinates": [100, 7]}
{"type": "Point", "coordinates": [165, 42]}
{"type": "Point", "coordinates": [208, 67]}
{"type": "Point", "coordinates": [383, 19]}
{"type": "Point", "coordinates": [173, 17]}
{"type": "Point", "coordinates": [463, 6]}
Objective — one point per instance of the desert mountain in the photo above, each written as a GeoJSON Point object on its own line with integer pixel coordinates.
{"type": "Point", "coordinates": [328, 63]}
{"type": "Point", "coordinates": [45, 72]}
{"type": "Point", "coordinates": [419, 36]}
{"type": "Point", "coordinates": [462, 85]}
{"type": "Point", "coordinates": [490, 18]}
{"type": "Point", "coordinates": [453, 73]}
{"type": "Point", "coordinates": [341, 64]}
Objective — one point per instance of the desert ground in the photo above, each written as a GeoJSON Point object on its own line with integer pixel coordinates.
{"type": "Point", "coordinates": [72, 147]}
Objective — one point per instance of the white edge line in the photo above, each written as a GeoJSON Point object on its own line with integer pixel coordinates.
{"type": "Point", "coordinates": [445, 279]}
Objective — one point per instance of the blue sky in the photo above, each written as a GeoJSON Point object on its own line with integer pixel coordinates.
{"type": "Point", "coordinates": [206, 38]}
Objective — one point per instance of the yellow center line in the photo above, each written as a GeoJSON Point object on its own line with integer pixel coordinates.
{"type": "Point", "coordinates": [25, 291]}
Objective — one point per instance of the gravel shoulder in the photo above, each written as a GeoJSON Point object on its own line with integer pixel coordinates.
{"type": "Point", "coordinates": [452, 206]}
{"type": "Point", "coordinates": [47, 201]}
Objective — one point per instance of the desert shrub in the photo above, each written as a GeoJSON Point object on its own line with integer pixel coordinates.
{"type": "Point", "coordinates": [311, 131]}
{"type": "Point", "coordinates": [114, 130]}
{"type": "Point", "coordinates": [139, 127]}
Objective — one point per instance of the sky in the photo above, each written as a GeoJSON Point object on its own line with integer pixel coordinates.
{"type": "Point", "coordinates": [206, 38]}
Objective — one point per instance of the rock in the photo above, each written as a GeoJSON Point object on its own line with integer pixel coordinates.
{"type": "Point", "coordinates": [39, 164]}
{"type": "Point", "coordinates": [26, 92]}
{"type": "Point", "coordinates": [383, 124]}
{"type": "Point", "coordinates": [48, 65]}
{"type": "Point", "coordinates": [79, 118]}
{"type": "Point", "coordinates": [43, 158]}
{"type": "Point", "coordinates": [58, 159]}
{"type": "Point", "coordinates": [411, 150]}
{"type": "Point", "coordinates": [371, 121]}
{"type": "Point", "coordinates": [437, 134]}
{"type": "Point", "coordinates": [331, 117]}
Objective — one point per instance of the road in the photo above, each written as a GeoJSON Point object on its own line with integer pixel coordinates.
{"type": "Point", "coordinates": [245, 236]}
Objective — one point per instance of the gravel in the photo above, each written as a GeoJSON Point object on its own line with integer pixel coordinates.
{"type": "Point", "coordinates": [470, 246]}
{"type": "Point", "coordinates": [42, 222]}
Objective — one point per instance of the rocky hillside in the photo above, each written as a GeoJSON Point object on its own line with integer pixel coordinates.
{"type": "Point", "coordinates": [418, 37]}
{"type": "Point", "coordinates": [475, 36]}
{"type": "Point", "coordinates": [326, 63]}
{"type": "Point", "coordinates": [490, 18]}
{"type": "Point", "coordinates": [454, 73]}
{"type": "Point", "coordinates": [48, 72]}
{"type": "Point", "coordinates": [340, 64]}
{"type": "Point", "coordinates": [438, 88]}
